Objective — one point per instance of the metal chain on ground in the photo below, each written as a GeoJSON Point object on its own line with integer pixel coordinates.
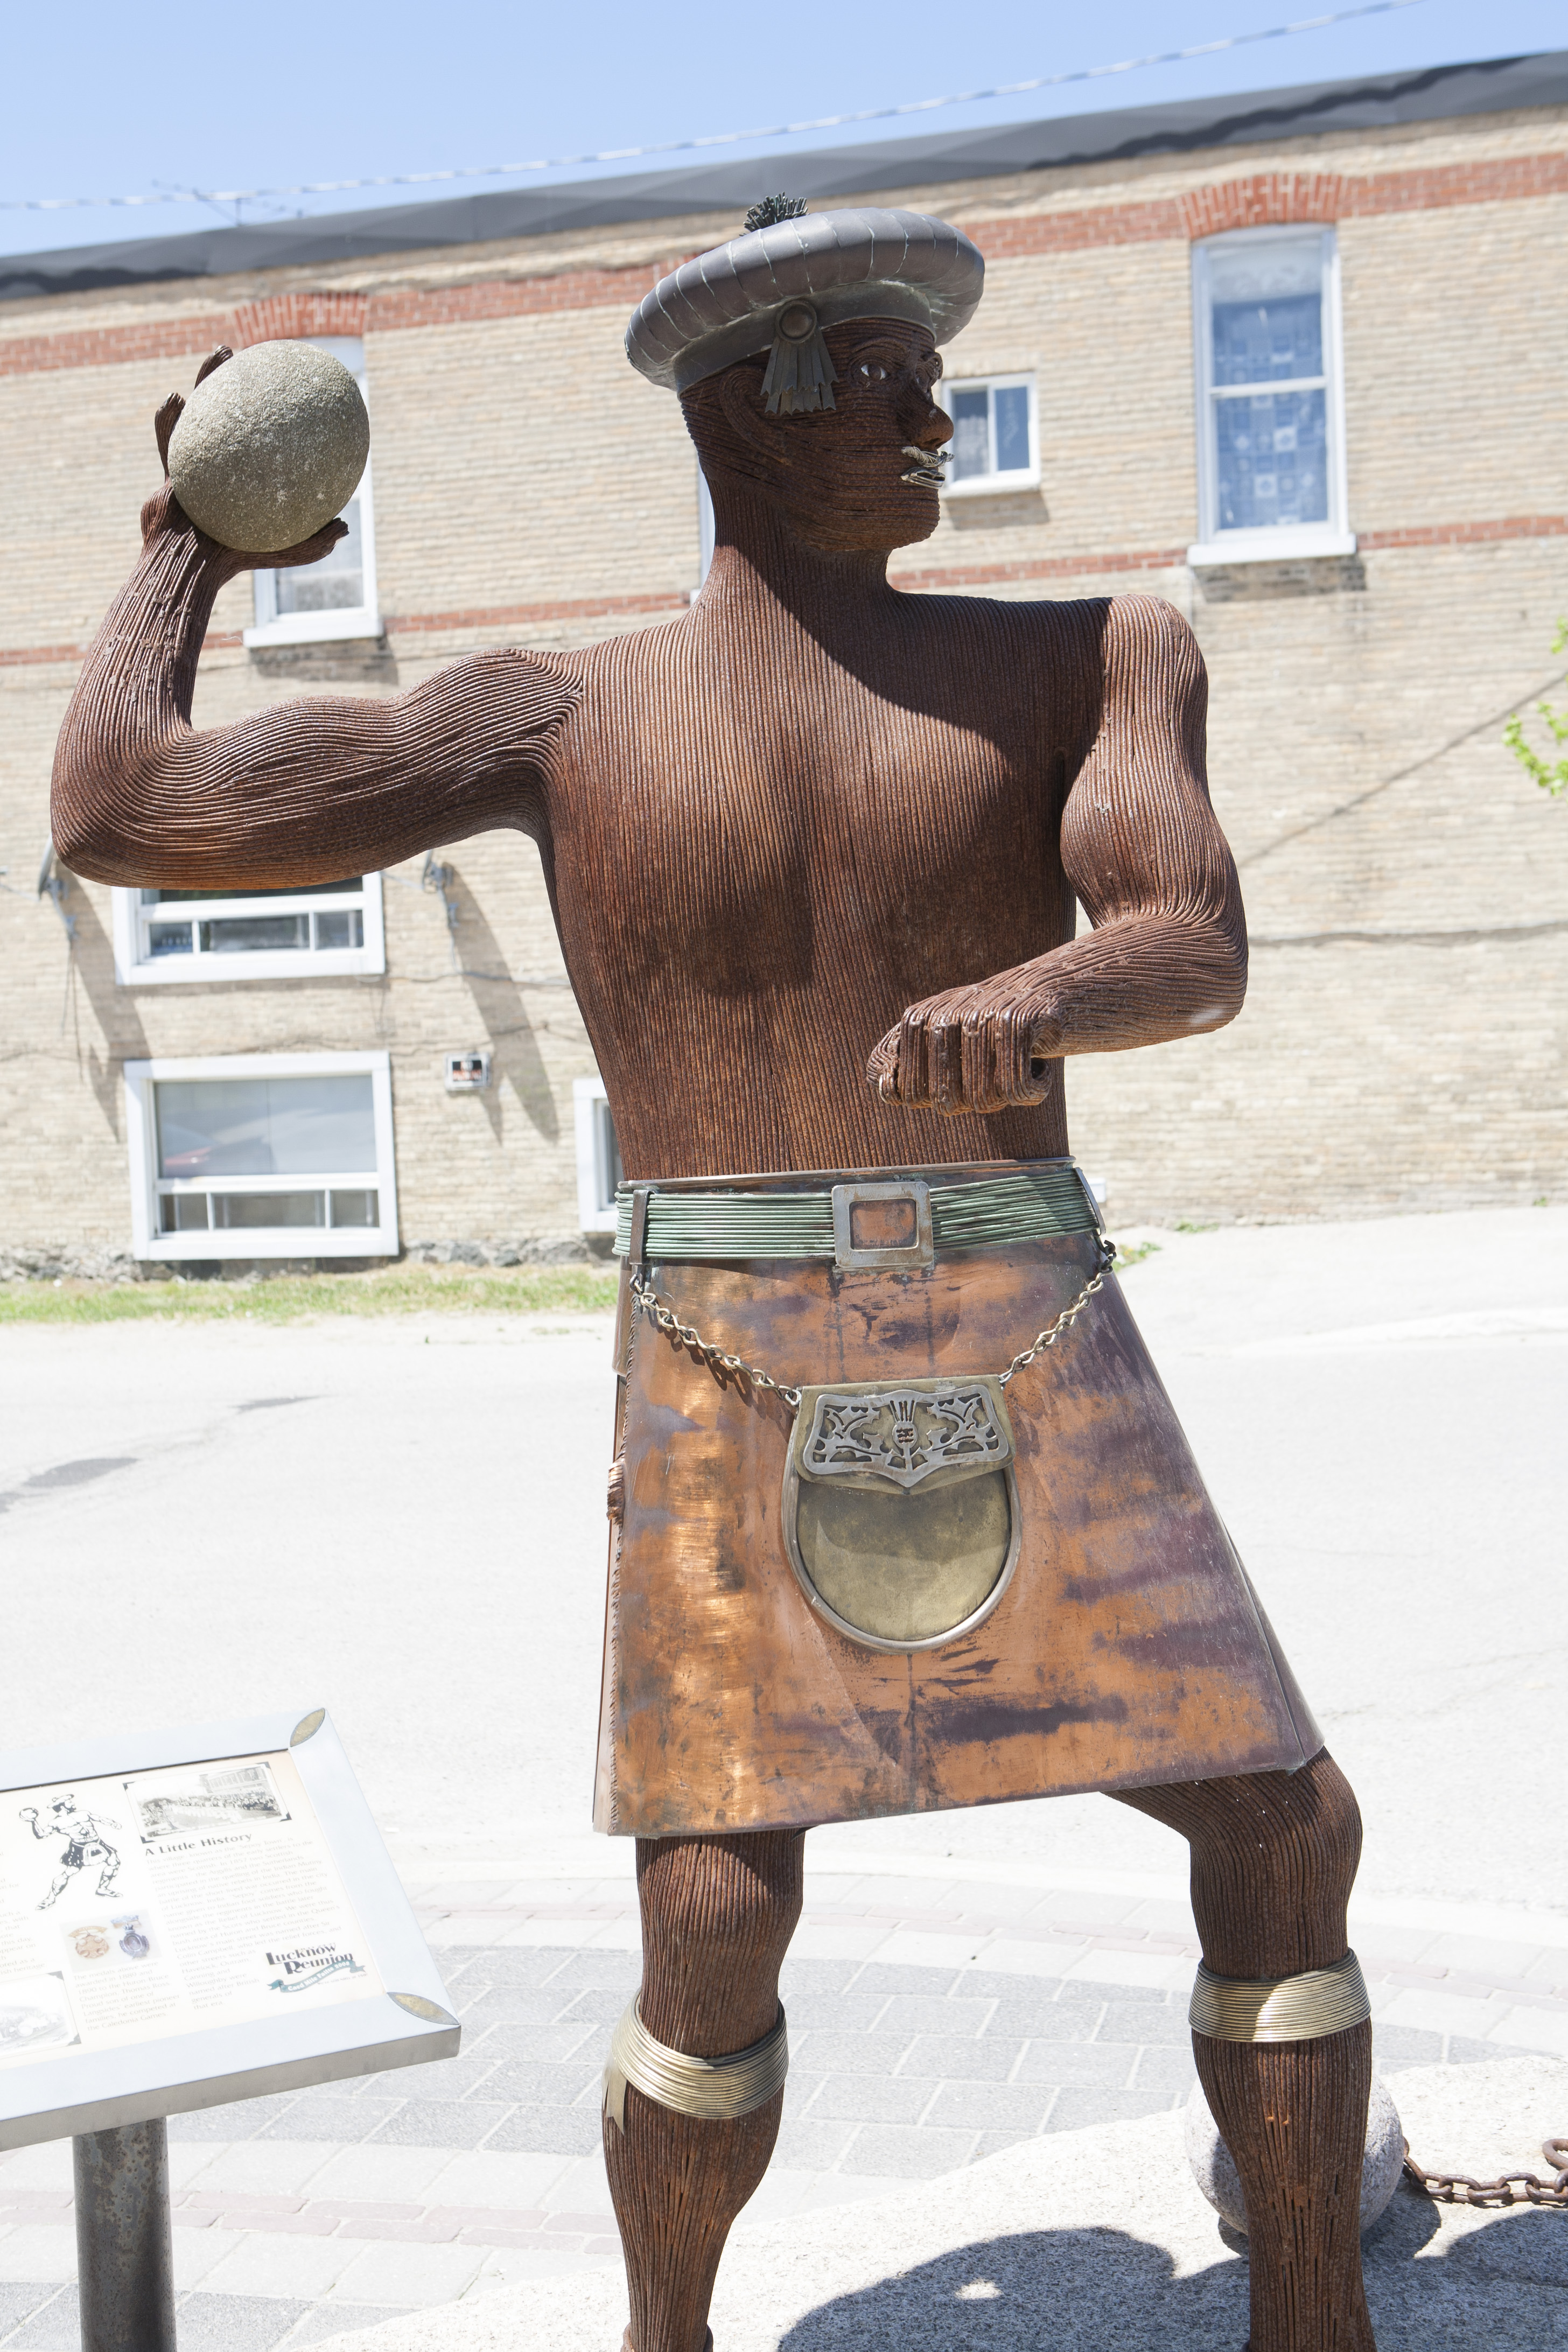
{"type": "Point", "coordinates": [721, 1361]}
{"type": "Point", "coordinates": [1512, 2188]}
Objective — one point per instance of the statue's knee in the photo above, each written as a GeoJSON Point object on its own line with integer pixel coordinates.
{"type": "Point", "coordinates": [1274, 1860]}
{"type": "Point", "coordinates": [1319, 1820]}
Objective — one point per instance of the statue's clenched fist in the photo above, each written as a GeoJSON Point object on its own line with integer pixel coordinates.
{"type": "Point", "coordinates": [982, 1048]}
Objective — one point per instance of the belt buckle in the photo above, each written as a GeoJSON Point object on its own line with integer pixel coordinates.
{"type": "Point", "coordinates": [853, 1250]}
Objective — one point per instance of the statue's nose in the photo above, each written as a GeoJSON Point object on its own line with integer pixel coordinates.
{"type": "Point", "coordinates": [923, 421]}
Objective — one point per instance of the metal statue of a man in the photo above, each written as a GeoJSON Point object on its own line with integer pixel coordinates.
{"type": "Point", "coordinates": [901, 1516]}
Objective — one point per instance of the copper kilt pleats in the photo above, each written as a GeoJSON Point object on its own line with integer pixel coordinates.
{"type": "Point", "coordinates": [1125, 1646]}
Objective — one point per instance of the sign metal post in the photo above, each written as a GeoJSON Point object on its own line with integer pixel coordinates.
{"type": "Point", "coordinates": [124, 2240]}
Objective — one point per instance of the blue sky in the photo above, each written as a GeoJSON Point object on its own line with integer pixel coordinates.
{"type": "Point", "coordinates": [126, 99]}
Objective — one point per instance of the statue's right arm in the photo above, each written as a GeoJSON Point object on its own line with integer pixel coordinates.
{"type": "Point", "coordinates": [302, 792]}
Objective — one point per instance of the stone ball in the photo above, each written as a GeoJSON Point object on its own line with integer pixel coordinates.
{"type": "Point", "coordinates": [1214, 2168]}
{"type": "Point", "coordinates": [271, 447]}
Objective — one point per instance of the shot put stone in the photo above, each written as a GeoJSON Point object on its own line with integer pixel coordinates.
{"type": "Point", "coordinates": [1214, 2166]}
{"type": "Point", "coordinates": [271, 447]}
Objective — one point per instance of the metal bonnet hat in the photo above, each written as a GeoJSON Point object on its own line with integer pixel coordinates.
{"type": "Point", "coordinates": [775, 289]}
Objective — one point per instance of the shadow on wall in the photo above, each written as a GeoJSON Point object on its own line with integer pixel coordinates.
{"type": "Point", "coordinates": [1102, 2289]}
{"type": "Point", "coordinates": [514, 1049]}
{"type": "Point", "coordinates": [90, 974]}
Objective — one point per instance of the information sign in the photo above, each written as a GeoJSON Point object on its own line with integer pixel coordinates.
{"type": "Point", "coordinates": [195, 1916]}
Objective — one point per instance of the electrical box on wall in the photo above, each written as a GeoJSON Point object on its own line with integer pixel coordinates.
{"type": "Point", "coordinates": [468, 1074]}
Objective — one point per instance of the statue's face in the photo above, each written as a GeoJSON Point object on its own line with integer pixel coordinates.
{"type": "Point", "coordinates": [860, 476]}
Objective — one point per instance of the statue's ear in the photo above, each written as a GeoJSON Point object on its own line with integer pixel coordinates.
{"type": "Point", "coordinates": [740, 399]}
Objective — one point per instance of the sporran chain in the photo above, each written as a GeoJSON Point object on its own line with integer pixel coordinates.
{"type": "Point", "coordinates": [724, 1365]}
{"type": "Point", "coordinates": [718, 1359]}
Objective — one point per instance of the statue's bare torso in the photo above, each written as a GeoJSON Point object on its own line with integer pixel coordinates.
{"type": "Point", "coordinates": [748, 831]}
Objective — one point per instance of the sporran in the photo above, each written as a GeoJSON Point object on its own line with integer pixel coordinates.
{"type": "Point", "coordinates": [900, 1507]}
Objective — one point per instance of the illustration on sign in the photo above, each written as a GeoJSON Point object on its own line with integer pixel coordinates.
{"type": "Point", "coordinates": [85, 1843]}
{"type": "Point", "coordinates": [222, 1800]}
{"type": "Point", "coordinates": [224, 1903]}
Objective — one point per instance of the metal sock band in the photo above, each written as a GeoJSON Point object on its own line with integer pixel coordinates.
{"type": "Point", "coordinates": [1286, 2009]}
{"type": "Point", "coordinates": [713, 2088]}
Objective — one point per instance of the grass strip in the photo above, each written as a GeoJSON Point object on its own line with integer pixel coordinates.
{"type": "Point", "coordinates": [293, 1299]}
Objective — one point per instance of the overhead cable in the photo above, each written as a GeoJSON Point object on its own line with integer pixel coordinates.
{"type": "Point", "coordinates": [712, 138]}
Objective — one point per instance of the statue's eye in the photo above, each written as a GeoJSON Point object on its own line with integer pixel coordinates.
{"type": "Point", "coordinates": [873, 370]}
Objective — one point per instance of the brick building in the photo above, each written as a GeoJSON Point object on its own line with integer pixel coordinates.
{"type": "Point", "coordinates": [1296, 362]}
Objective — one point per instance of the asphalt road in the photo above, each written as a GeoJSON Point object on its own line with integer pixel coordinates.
{"type": "Point", "coordinates": [404, 1521]}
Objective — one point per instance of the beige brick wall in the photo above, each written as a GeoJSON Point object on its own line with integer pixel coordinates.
{"type": "Point", "coordinates": [1403, 1044]}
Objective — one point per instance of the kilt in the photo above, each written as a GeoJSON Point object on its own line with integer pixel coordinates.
{"type": "Point", "coordinates": [771, 1661]}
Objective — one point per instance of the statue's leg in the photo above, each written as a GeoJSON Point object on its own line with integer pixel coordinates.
{"type": "Point", "coordinates": [717, 1917]}
{"type": "Point", "coordinates": [1274, 1856]}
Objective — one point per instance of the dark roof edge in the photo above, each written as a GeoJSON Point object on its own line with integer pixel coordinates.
{"type": "Point", "coordinates": [1433, 93]}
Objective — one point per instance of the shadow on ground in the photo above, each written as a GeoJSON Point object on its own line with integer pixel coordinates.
{"type": "Point", "coordinates": [1101, 2290]}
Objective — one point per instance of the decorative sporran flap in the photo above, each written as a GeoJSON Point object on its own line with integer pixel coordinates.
{"type": "Point", "coordinates": [900, 1506]}
{"type": "Point", "coordinates": [917, 1434]}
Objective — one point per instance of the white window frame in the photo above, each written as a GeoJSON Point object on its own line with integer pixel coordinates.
{"type": "Point", "coordinates": [596, 1194]}
{"type": "Point", "coordinates": [991, 486]}
{"type": "Point", "coordinates": [135, 968]}
{"type": "Point", "coordinates": [379, 1240]}
{"type": "Point", "coordinates": [707, 529]}
{"type": "Point", "coordinates": [1275, 542]}
{"type": "Point", "coordinates": [364, 620]}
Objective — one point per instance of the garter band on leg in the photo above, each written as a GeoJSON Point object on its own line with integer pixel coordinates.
{"type": "Point", "coordinates": [717, 2089]}
{"type": "Point", "coordinates": [1283, 2008]}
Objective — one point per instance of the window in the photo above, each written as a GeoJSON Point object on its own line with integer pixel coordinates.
{"type": "Point", "coordinates": [315, 933]}
{"type": "Point", "coordinates": [1271, 478]}
{"type": "Point", "coordinates": [707, 529]}
{"type": "Point", "coordinates": [337, 597]}
{"type": "Point", "coordinates": [262, 1155]}
{"type": "Point", "coordinates": [995, 444]}
{"type": "Point", "coordinates": [598, 1157]}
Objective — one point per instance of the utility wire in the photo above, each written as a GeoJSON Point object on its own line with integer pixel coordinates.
{"type": "Point", "coordinates": [714, 139]}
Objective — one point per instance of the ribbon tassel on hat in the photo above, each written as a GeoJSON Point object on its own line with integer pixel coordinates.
{"type": "Point", "coordinates": [799, 375]}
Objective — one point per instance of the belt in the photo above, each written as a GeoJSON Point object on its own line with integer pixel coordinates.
{"type": "Point", "coordinates": [897, 1220]}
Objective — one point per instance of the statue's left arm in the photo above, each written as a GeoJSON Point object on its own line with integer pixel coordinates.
{"type": "Point", "coordinates": [1143, 851]}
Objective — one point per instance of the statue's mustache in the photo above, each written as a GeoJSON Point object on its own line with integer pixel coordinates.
{"type": "Point", "coordinates": [927, 467]}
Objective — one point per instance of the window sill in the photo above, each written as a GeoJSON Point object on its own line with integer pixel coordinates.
{"type": "Point", "coordinates": [270, 1241]}
{"type": "Point", "coordinates": [992, 486]}
{"type": "Point", "coordinates": [316, 628]}
{"type": "Point", "coordinates": [1283, 545]}
{"type": "Point", "coordinates": [269, 963]}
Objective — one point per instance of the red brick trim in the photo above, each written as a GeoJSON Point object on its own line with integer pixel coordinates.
{"type": "Point", "coordinates": [1507, 179]}
{"type": "Point", "coordinates": [165, 338]}
{"type": "Point", "coordinates": [16, 656]}
{"type": "Point", "coordinates": [1468, 534]}
{"type": "Point", "coordinates": [514, 297]}
{"type": "Point", "coordinates": [280, 317]}
{"type": "Point", "coordinates": [1265, 200]}
{"type": "Point", "coordinates": [1271, 199]}
{"type": "Point", "coordinates": [1145, 223]}
{"type": "Point", "coordinates": [1257, 200]}
{"type": "Point", "coordinates": [560, 608]}
{"type": "Point", "coordinates": [1047, 567]}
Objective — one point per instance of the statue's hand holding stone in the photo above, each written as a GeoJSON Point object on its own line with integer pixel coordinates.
{"type": "Point", "coordinates": [981, 1049]}
{"type": "Point", "coordinates": [263, 462]}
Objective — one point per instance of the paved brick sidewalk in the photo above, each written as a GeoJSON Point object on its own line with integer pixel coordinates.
{"type": "Point", "coordinates": [926, 2031]}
